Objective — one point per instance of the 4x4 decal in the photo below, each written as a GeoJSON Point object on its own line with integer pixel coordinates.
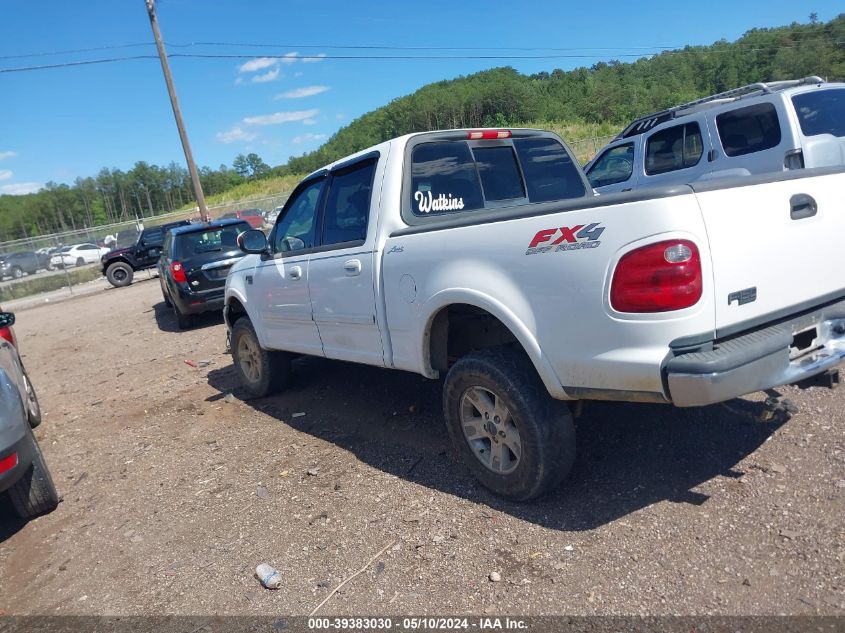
{"type": "Point", "coordinates": [566, 238]}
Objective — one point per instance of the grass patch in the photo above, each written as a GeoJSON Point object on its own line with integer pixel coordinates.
{"type": "Point", "coordinates": [45, 283]}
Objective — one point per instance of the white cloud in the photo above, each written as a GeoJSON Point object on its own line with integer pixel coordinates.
{"type": "Point", "coordinates": [237, 133]}
{"type": "Point", "coordinates": [290, 58]}
{"type": "Point", "coordinates": [5, 174]}
{"type": "Point", "coordinates": [299, 93]}
{"type": "Point", "coordinates": [281, 117]}
{"type": "Point", "coordinates": [314, 59]}
{"type": "Point", "coordinates": [257, 64]}
{"type": "Point", "coordinates": [9, 154]}
{"type": "Point", "coordinates": [304, 138]}
{"type": "Point", "coordinates": [270, 75]}
{"type": "Point", "coordinates": [20, 188]}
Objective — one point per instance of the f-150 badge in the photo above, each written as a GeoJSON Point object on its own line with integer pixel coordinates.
{"type": "Point", "coordinates": [566, 238]}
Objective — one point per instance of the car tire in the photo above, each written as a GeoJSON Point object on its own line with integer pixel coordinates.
{"type": "Point", "coordinates": [516, 439]}
{"type": "Point", "coordinates": [183, 321]}
{"type": "Point", "coordinates": [167, 302]}
{"type": "Point", "coordinates": [33, 408]}
{"type": "Point", "coordinates": [119, 274]}
{"type": "Point", "coordinates": [17, 272]}
{"type": "Point", "coordinates": [262, 372]}
{"type": "Point", "coordinates": [34, 493]}
{"type": "Point", "coordinates": [80, 261]}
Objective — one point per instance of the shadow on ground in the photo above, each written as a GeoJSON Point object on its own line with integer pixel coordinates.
{"type": "Point", "coordinates": [10, 522]}
{"type": "Point", "coordinates": [629, 455]}
{"type": "Point", "coordinates": [166, 320]}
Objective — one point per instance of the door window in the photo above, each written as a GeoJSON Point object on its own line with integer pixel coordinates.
{"type": "Point", "coordinates": [674, 148]}
{"type": "Point", "coordinates": [296, 228]}
{"type": "Point", "coordinates": [348, 205]}
{"type": "Point", "coordinates": [748, 130]}
{"type": "Point", "coordinates": [614, 165]}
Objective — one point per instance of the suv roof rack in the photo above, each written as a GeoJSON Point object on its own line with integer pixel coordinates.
{"type": "Point", "coordinates": [645, 123]}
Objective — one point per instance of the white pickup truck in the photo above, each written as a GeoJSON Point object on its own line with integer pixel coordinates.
{"type": "Point", "coordinates": [484, 256]}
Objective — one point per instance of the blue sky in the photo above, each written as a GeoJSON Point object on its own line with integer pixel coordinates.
{"type": "Point", "coordinates": [62, 123]}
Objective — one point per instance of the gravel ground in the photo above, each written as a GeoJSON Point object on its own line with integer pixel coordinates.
{"type": "Point", "coordinates": [174, 492]}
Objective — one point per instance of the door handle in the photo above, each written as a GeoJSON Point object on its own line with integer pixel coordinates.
{"type": "Point", "coordinates": [802, 206]}
{"type": "Point", "coordinates": [627, 189]}
{"type": "Point", "coordinates": [295, 272]}
{"type": "Point", "coordinates": [352, 267]}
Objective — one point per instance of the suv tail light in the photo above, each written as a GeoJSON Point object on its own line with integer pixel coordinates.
{"type": "Point", "coordinates": [8, 463]}
{"type": "Point", "coordinates": [178, 273]}
{"type": "Point", "coordinates": [659, 277]}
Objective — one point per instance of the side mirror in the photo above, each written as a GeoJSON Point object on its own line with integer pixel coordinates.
{"type": "Point", "coordinates": [7, 319]}
{"type": "Point", "coordinates": [253, 242]}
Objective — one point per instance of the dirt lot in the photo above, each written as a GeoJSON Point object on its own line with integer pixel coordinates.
{"type": "Point", "coordinates": [173, 493]}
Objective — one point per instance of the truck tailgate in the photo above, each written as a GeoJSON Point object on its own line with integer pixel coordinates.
{"type": "Point", "coordinates": [776, 247]}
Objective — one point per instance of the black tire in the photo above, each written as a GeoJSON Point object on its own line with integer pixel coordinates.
{"type": "Point", "coordinates": [167, 301]}
{"type": "Point", "coordinates": [17, 272]}
{"type": "Point", "coordinates": [33, 409]}
{"type": "Point", "coordinates": [34, 493]}
{"type": "Point", "coordinates": [266, 372]}
{"type": "Point", "coordinates": [80, 262]}
{"type": "Point", "coordinates": [183, 321]}
{"type": "Point", "coordinates": [119, 274]}
{"type": "Point", "coordinates": [544, 427]}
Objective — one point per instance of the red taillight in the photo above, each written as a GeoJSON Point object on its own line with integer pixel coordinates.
{"type": "Point", "coordinates": [178, 273]}
{"type": "Point", "coordinates": [8, 463]}
{"type": "Point", "coordinates": [488, 134]}
{"type": "Point", "coordinates": [659, 277]}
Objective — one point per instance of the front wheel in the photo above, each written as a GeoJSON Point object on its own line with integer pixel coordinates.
{"type": "Point", "coordinates": [17, 272]}
{"type": "Point", "coordinates": [512, 435]}
{"type": "Point", "coordinates": [34, 493]}
{"type": "Point", "coordinates": [119, 274]}
{"type": "Point", "coordinates": [262, 372]}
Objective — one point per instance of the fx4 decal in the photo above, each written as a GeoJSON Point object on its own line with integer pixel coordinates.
{"type": "Point", "coordinates": [566, 238]}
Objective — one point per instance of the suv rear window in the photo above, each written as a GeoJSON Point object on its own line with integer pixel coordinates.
{"type": "Point", "coordinates": [449, 176]}
{"type": "Point", "coordinates": [821, 112]}
{"type": "Point", "coordinates": [211, 240]}
{"type": "Point", "coordinates": [748, 130]}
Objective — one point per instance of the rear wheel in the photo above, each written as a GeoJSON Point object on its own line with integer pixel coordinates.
{"type": "Point", "coordinates": [33, 409]}
{"type": "Point", "coordinates": [513, 436]}
{"type": "Point", "coordinates": [262, 372]}
{"type": "Point", "coordinates": [119, 274]}
{"type": "Point", "coordinates": [80, 261]}
{"type": "Point", "coordinates": [34, 493]}
{"type": "Point", "coordinates": [183, 321]}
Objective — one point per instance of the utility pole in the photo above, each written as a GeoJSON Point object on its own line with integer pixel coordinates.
{"type": "Point", "coordinates": [189, 157]}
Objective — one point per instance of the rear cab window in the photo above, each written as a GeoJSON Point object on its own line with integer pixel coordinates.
{"type": "Point", "coordinates": [449, 176]}
{"type": "Point", "coordinates": [821, 112]}
{"type": "Point", "coordinates": [748, 130]}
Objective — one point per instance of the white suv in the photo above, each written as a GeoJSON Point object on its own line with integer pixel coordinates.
{"type": "Point", "coordinates": [760, 128]}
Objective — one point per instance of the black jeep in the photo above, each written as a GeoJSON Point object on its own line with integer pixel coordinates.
{"type": "Point", "coordinates": [119, 265]}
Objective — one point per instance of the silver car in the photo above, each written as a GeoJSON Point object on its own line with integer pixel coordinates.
{"type": "Point", "coordinates": [23, 472]}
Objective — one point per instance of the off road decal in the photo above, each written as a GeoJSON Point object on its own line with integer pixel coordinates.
{"type": "Point", "coordinates": [443, 202]}
{"type": "Point", "coordinates": [566, 238]}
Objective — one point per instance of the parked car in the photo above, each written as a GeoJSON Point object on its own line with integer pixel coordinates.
{"type": "Point", "coordinates": [120, 265]}
{"type": "Point", "coordinates": [78, 255]}
{"type": "Point", "coordinates": [194, 263]}
{"type": "Point", "coordinates": [484, 256]}
{"type": "Point", "coordinates": [271, 216]}
{"type": "Point", "coordinates": [16, 264]}
{"type": "Point", "coordinates": [255, 217]}
{"type": "Point", "coordinates": [24, 477]}
{"type": "Point", "coordinates": [759, 128]}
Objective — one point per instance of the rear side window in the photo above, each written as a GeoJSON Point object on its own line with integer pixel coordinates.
{"type": "Point", "coordinates": [499, 173]}
{"type": "Point", "coordinates": [748, 130]}
{"type": "Point", "coordinates": [821, 112]}
{"type": "Point", "coordinates": [614, 165]}
{"type": "Point", "coordinates": [348, 204]}
{"type": "Point", "coordinates": [674, 148]}
{"type": "Point", "coordinates": [443, 178]}
{"type": "Point", "coordinates": [549, 172]}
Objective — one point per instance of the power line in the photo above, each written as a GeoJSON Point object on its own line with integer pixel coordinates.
{"type": "Point", "coordinates": [77, 50]}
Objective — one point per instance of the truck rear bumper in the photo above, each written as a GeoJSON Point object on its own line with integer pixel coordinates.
{"type": "Point", "coordinates": [781, 354]}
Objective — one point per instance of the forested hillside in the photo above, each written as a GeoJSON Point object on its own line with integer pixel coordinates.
{"type": "Point", "coordinates": [606, 93]}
